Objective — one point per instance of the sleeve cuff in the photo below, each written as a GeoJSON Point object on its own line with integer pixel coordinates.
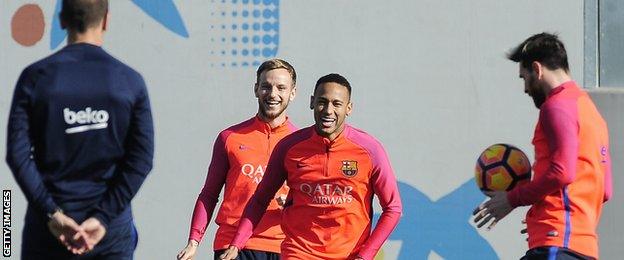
{"type": "Point", "coordinates": [238, 241]}
{"type": "Point", "coordinates": [102, 218]}
{"type": "Point", "coordinates": [513, 198]}
{"type": "Point", "coordinates": [49, 207]}
{"type": "Point", "coordinates": [196, 236]}
{"type": "Point", "coordinates": [237, 244]}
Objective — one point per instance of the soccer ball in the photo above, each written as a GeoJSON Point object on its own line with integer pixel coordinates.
{"type": "Point", "coordinates": [502, 167]}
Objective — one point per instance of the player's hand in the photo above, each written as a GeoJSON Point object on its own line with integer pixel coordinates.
{"type": "Point", "coordinates": [230, 254]}
{"type": "Point", "coordinates": [189, 251]}
{"type": "Point", "coordinates": [495, 209]}
{"type": "Point", "coordinates": [68, 232]}
{"type": "Point", "coordinates": [281, 200]}
{"type": "Point", "coordinates": [94, 231]}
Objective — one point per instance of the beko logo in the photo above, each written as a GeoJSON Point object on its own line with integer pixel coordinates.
{"type": "Point", "coordinates": [89, 119]}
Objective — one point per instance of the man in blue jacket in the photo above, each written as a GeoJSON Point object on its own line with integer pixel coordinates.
{"type": "Point", "coordinates": [80, 144]}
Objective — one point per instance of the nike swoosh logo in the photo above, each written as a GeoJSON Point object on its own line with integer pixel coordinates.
{"type": "Point", "coordinates": [243, 147]}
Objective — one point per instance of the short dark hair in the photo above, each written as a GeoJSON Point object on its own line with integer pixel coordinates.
{"type": "Point", "coordinates": [544, 48]}
{"type": "Point", "coordinates": [335, 78]}
{"type": "Point", "coordinates": [276, 64]}
{"type": "Point", "coordinates": [79, 15]}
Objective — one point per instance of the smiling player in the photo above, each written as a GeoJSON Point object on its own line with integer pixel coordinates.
{"type": "Point", "coordinates": [333, 170]}
{"type": "Point", "coordinates": [239, 160]}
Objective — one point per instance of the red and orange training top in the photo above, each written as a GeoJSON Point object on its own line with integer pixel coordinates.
{"type": "Point", "coordinates": [239, 159]}
{"type": "Point", "coordinates": [329, 209]}
{"type": "Point", "coordinates": [572, 173]}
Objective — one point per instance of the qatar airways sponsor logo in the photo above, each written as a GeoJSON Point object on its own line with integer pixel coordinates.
{"type": "Point", "coordinates": [89, 119]}
{"type": "Point", "coordinates": [254, 172]}
{"type": "Point", "coordinates": [327, 193]}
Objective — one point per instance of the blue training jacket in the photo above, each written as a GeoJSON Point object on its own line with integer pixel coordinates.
{"type": "Point", "coordinates": [80, 134]}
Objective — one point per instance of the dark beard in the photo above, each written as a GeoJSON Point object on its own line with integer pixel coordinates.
{"type": "Point", "coordinates": [538, 99]}
{"type": "Point", "coordinates": [536, 93]}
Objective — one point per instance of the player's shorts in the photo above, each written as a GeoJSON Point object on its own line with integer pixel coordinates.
{"type": "Point", "coordinates": [553, 253]}
{"type": "Point", "coordinates": [38, 243]}
{"type": "Point", "coordinates": [247, 254]}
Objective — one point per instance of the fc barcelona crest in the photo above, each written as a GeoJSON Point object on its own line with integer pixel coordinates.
{"type": "Point", "coordinates": [349, 168]}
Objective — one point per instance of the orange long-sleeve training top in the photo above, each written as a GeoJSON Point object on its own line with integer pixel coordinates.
{"type": "Point", "coordinates": [239, 160]}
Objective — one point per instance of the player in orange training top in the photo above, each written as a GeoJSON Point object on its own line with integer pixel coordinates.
{"type": "Point", "coordinates": [572, 170]}
{"type": "Point", "coordinates": [333, 170]}
{"type": "Point", "coordinates": [239, 160]}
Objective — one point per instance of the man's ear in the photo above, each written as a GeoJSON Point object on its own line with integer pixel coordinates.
{"type": "Point", "coordinates": [537, 69]}
{"type": "Point", "coordinates": [105, 21]}
{"type": "Point", "coordinates": [293, 93]}
{"type": "Point", "coordinates": [349, 108]}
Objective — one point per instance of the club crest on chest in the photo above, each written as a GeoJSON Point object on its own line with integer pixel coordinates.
{"type": "Point", "coordinates": [349, 168]}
